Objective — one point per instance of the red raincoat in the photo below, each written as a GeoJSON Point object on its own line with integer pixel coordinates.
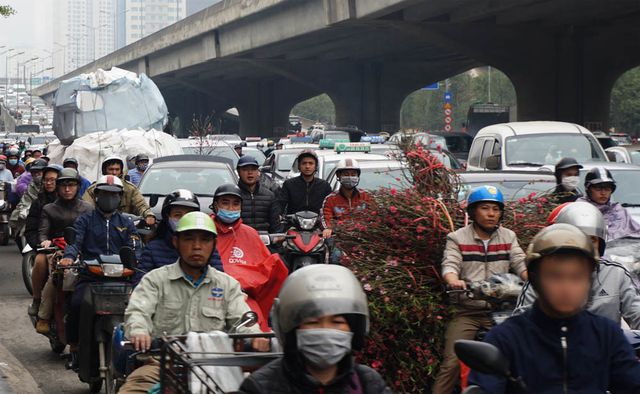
{"type": "Point", "coordinates": [247, 260]}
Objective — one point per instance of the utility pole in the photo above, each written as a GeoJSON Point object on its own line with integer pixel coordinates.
{"type": "Point", "coordinates": [31, 75]}
{"type": "Point", "coordinates": [489, 81]}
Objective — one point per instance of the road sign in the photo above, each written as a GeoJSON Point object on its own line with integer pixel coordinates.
{"type": "Point", "coordinates": [447, 127]}
{"type": "Point", "coordinates": [447, 111]}
{"type": "Point", "coordinates": [447, 106]}
{"type": "Point", "coordinates": [448, 97]}
{"type": "Point", "coordinates": [433, 86]}
{"type": "Point", "coordinates": [448, 120]}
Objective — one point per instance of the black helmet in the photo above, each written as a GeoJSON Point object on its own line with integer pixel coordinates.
{"type": "Point", "coordinates": [563, 164]}
{"type": "Point", "coordinates": [38, 165]}
{"type": "Point", "coordinates": [307, 153]}
{"type": "Point", "coordinates": [228, 189]}
{"type": "Point", "coordinates": [68, 174]}
{"type": "Point", "coordinates": [181, 198]}
{"type": "Point", "coordinates": [70, 160]}
{"type": "Point", "coordinates": [142, 157]}
{"type": "Point", "coordinates": [599, 175]}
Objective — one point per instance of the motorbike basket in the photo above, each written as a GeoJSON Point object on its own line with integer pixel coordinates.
{"type": "Point", "coordinates": [110, 298]}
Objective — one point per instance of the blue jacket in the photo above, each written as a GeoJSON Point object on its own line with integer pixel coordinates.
{"type": "Point", "coordinates": [84, 185]}
{"type": "Point", "coordinates": [160, 252]}
{"type": "Point", "coordinates": [95, 236]}
{"type": "Point", "coordinates": [598, 356]}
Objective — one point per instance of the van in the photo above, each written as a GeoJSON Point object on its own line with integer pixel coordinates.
{"type": "Point", "coordinates": [530, 145]}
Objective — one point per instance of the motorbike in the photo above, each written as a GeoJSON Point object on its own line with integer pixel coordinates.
{"type": "Point", "coordinates": [5, 212]}
{"type": "Point", "coordinates": [28, 260]}
{"type": "Point", "coordinates": [305, 245]}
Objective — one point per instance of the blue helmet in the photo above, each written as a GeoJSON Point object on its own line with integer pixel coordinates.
{"type": "Point", "coordinates": [483, 194]}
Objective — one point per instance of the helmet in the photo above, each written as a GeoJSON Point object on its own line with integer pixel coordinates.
{"type": "Point", "coordinates": [3, 158]}
{"type": "Point", "coordinates": [181, 198]}
{"type": "Point", "coordinates": [587, 218]}
{"type": "Point", "coordinates": [196, 221]}
{"type": "Point", "coordinates": [599, 175]}
{"type": "Point", "coordinates": [13, 152]}
{"type": "Point", "coordinates": [53, 167]}
{"type": "Point", "coordinates": [559, 237]}
{"type": "Point", "coordinates": [563, 164]}
{"type": "Point", "coordinates": [110, 183]}
{"type": "Point", "coordinates": [70, 160]}
{"type": "Point", "coordinates": [28, 162]}
{"type": "Point", "coordinates": [111, 159]}
{"type": "Point", "coordinates": [270, 143]}
{"type": "Point", "coordinates": [142, 157]}
{"type": "Point", "coordinates": [68, 174]}
{"type": "Point", "coordinates": [554, 214]}
{"type": "Point", "coordinates": [247, 161]}
{"type": "Point", "coordinates": [316, 291]}
{"type": "Point", "coordinates": [307, 153]}
{"type": "Point", "coordinates": [347, 164]}
{"type": "Point", "coordinates": [483, 194]}
{"type": "Point", "coordinates": [228, 189]}
{"type": "Point", "coordinates": [38, 165]}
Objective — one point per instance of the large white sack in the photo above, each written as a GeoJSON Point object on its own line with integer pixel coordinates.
{"type": "Point", "coordinates": [93, 148]}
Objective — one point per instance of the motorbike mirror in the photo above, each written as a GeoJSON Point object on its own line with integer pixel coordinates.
{"type": "Point", "coordinates": [69, 235]}
{"type": "Point", "coordinates": [265, 239]}
{"type": "Point", "coordinates": [482, 357]}
{"type": "Point", "coordinates": [127, 257]}
{"type": "Point", "coordinates": [153, 200]}
{"type": "Point", "coordinates": [250, 317]}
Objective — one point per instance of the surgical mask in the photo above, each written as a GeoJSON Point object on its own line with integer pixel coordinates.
{"type": "Point", "coordinates": [228, 216]}
{"type": "Point", "coordinates": [349, 181]}
{"type": "Point", "coordinates": [108, 202]}
{"type": "Point", "coordinates": [324, 347]}
{"type": "Point", "coordinates": [173, 224]}
{"type": "Point", "coordinates": [570, 182]}
{"type": "Point", "coordinates": [13, 162]}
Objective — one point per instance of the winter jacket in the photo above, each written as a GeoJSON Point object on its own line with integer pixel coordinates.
{"type": "Point", "coordinates": [597, 357]}
{"type": "Point", "coordinates": [298, 195]}
{"type": "Point", "coordinates": [22, 183]}
{"type": "Point", "coordinates": [33, 218]}
{"type": "Point", "coordinates": [562, 195]}
{"type": "Point", "coordinates": [135, 176]}
{"type": "Point", "coordinates": [16, 170]}
{"type": "Point", "coordinates": [6, 176]}
{"type": "Point", "coordinates": [260, 209]}
{"type": "Point", "coordinates": [614, 295]}
{"type": "Point", "coordinates": [160, 252]}
{"type": "Point", "coordinates": [336, 205]}
{"type": "Point", "coordinates": [620, 223]}
{"type": "Point", "coordinates": [96, 235]}
{"type": "Point", "coordinates": [248, 260]}
{"type": "Point", "coordinates": [288, 375]}
{"type": "Point", "coordinates": [132, 200]}
{"type": "Point", "coordinates": [466, 256]}
{"type": "Point", "coordinates": [59, 215]}
{"type": "Point", "coordinates": [84, 185]}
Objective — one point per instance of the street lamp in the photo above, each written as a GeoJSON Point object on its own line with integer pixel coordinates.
{"type": "Point", "coordinates": [93, 37]}
{"type": "Point", "coordinates": [6, 72]}
{"type": "Point", "coordinates": [64, 56]}
{"type": "Point", "coordinates": [115, 26]}
{"type": "Point", "coordinates": [24, 72]}
{"type": "Point", "coordinates": [31, 75]}
{"type": "Point", "coordinates": [77, 42]}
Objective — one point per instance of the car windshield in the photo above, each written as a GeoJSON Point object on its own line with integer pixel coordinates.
{"type": "Point", "coordinates": [375, 178]}
{"type": "Point", "coordinates": [199, 180]}
{"type": "Point", "coordinates": [431, 141]}
{"type": "Point", "coordinates": [512, 190]}
{"type": "Point", "coordinates": [541, 149]}
{"type": "Point", "coordinates": [336, 135]}
{"type": "Point", "coordinates": [285, 161]}
{"type": "Point", "coordinates": [255, 153]}
{"type": "Point", "coordinates": [627, 182]}
{"type": "Point", "coordinates": [205, 150]}
{"type": "Point", "coordinates": [446, 159]}
{"type": "Point", "coordinates": [635, 156]}
{"type": "Point", "coordinates": [458, 143]}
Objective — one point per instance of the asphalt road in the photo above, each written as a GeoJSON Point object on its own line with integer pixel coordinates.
{"type": "Point", "coordinates": [20, 338]}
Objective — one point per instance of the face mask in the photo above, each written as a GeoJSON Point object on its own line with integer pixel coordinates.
{"type": "Point", "coordinates": [228, 216]}
{"type": "Point", "coordinates": [143, 167]}
{"type": "Point", "coordinates": [37, 180]}
{"type": "Point", "coordinates": [109, 202]}
{"type": "Point", "coordinates": [13, 162]}
{"type": "Point", "coordinates": [324, 347]}
{"type": "Point", "coordinates": [349, 181]}
{"type": "Point", "coordinates": [570, 182]}
{"type": "Point", "coordinates": [173, 224]}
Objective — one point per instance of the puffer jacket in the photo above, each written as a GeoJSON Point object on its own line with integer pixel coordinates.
{"type": "Point", "coordinates": [298, 195]}
{"type": "Point", "coordinates": [33, 218]}
{"type": "Point", "coordinates": [287, 375]}
{"type": "Point", "coordinates": [22, 209]}
{"type": "Point", "coordinates": [59, 215]}
{"type": "Point", "coordinates": [22, 183]}
{"type": "Point", "coordinates": [260, 209]}
{"type": "Point", "coordinates": [132, 200]}
{"type": "Point", "coordinates": [160, 252]}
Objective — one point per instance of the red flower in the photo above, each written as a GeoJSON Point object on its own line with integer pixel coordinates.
{"type": "Point", "coordinates": [393, 209]}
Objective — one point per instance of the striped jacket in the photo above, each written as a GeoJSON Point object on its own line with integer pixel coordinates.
{"type": "Point", "coordinates": [466, 256]}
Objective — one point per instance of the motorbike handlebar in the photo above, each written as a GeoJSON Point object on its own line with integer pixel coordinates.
{"type": "Point", "coordinates": [49, 250]}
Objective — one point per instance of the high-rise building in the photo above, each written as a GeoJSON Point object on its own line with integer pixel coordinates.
{"type": "Point", "coordinates": [194, 6]}
{"type": "Point", "coordinates": [139, 18]}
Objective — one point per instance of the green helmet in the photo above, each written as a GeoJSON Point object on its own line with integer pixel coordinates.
{"type": "Point", "coordinates": [196, 221]}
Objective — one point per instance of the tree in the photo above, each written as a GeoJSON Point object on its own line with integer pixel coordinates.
{"type": "Point", "coordinates": [319, 108]}
{"type": "Point", "coordinates": [625, 103]}
{"type": "Point", "coordinates": [6, 10]}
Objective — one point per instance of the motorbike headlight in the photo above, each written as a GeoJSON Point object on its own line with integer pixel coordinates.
{"type": "Point", "coordinates": [113, 270]}
{"type": "Point", "coordinates": [307, 224]}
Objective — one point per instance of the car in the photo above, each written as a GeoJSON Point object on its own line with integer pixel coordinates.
{"type": "Point", "coordinates": [327, 138]}
{"type": "Point", "coordinates": [457, 142]}
{"type": "Point", "coordinates": [531, 145]}
{"type": "Point", "coordinates": [624, 153]}
{"type": "Point", "coordinates": [327, 160]}
{"type": "Point", "coordinates": [377, 174]}
{"type": "Point", "coordinates": [604, 139]}
{"type": "Point", "coordinates": [254, 152]}
{"type": "Point", "coordinates": [513, 184]}
{"type": "Point", "coordinates": [278, 164]}
{"type": "Point", "coordinates": [196, 173]}
{"type": "Point", "coordinates": [205, 147]}
{"type": "Point", "coordinates": [621, 139]}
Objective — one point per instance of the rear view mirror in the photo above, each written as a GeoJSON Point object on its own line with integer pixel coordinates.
{"type": "Point", "coordinates": [494, 162]}
{"type": "Point", "coordinates": [69, 235]}
{"type": "Point", "coordinates": [127, 257]}
{"type": "Point", "coordinates": [153, 200]}
{"type": "Point", "coordinates": [611, 156]}
{"type": "Point", "coordinates": [482, 357]}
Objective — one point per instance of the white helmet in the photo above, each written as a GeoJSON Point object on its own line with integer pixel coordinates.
{"type": "Point", "coordinates": [110, 183]}
{"type": "Point", "coordinates": [109, 160]}
{"type": "Point", "coordinates": [348, 164]}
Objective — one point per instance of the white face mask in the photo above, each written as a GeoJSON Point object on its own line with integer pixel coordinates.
{"type": "Point", "coordinates": [570, 182]}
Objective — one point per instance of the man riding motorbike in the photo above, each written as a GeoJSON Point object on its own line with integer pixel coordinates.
{"type": "Point", "coordinates": [557, 346]}
{"type": "Point", "coordinates": [102, 231]}
{"type": "Point", "coordinates": [614, 293]}
{"type": "Point", "coordinates": [158, 303]}
{"type": "Point", "coordinates": [567, 174]}
{"type": "Point", "coordinates": [305, 192]}
{"type": "Point", "coordinates": [23, 181]}
{"type": "Point", "coordinates": [473, 253]}
{"type": "Point", "coordinates": [160, 251]}
{"type": "Point", "coordinates": [54, 219]}
{"type": "Point", "coordinates": [5, 174]}
{"type": "Point", "coordinates": [135, 174]}
{"type": "Point", "coordinates": [13, 162]}
{"type": "Point", "coordinates": [71, 162]}
{"type": "Point", "coordinates": [244, 255]}
{"type": "Point", "coordinates": [260, 209]}
{"type": "Point", "coordinates": [600, 185]}
{"type": "Point", "coordinates": [132, 200]}
{"type": "Point", "coordinates": [320, 317]}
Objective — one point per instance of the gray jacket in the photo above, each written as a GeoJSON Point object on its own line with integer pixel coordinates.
{"type": "Point", "coordinates": [614, 295]}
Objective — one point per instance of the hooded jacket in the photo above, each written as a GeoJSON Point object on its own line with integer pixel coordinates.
{"type": "Point", "coordinates": [22, 183]}
{"type": "Point", "coordinates": [260, 209]}
{"type": "Point", "coordinates": [298, 195]}
{"type": "Point", "coordinates": [620, 224]}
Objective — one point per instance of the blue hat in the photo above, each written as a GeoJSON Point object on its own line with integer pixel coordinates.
{"type": "Point", "coordinates": [247, 161]}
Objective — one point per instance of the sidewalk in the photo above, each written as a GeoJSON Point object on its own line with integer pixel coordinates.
{"type": "Point", "coordinates": [14, 377]}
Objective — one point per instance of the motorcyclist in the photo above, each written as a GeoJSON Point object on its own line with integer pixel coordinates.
{"type": "Point", "coordinates": [19, 214]}
{"type": "Point", "coordinates": [40, 270]}
{"type": "Point", "coordinates": [305, 192]}
{"type": "Point", "coordinates": [160, 251]}
{"type": "Point", "coordinates": [71, 162]}
{"type": "Point", "coordinates": [557, 346]}
{"type": "Point", "coordinates": [157, 304]}
{"type": "Point", "coordinates": [270, 148]}
{"type": "Point", "coordinates": [614, 293]}
{"type": "Point", "coordinates": [260, 209]}
{"type": "Point", "coordinates": [22, 182]}
{"type": "Point", "coordinates": [37, 153]}
{"type": "Point", "coordinates": [132, 200]}
{"type": "Point", "coordinates": [320, 317]}
{"type": "Point", "coordinates": [101, 231]}
{"type": "Point", "coordinates": [54, 219]}
{"type": "Point", "coordinates": [600, 186]}
{"type": "Point", "coordinates": [238, 149]}
{"type": "Point", "coordinates": [135, 174]}
{"type": "Point", "coordinates": [473, 253]}
{"type": "Point", "coordinates": [242, 250]}
{"type": "Point", "coordinates": [13, 162]}
{"type": "Point", "coordinates": [5, 174]}
{"type": "Point", "coordinates": [28, 153]}
{"type": "Point", "coordinates": [567, 172]}
{"type": "Point", "coordinates": [339, 204]}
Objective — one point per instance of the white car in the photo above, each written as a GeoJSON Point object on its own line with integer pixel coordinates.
{"type": "Point", "coordinates": [377, 174]}
{"type": "Point", "coordinates": [328, 159]}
